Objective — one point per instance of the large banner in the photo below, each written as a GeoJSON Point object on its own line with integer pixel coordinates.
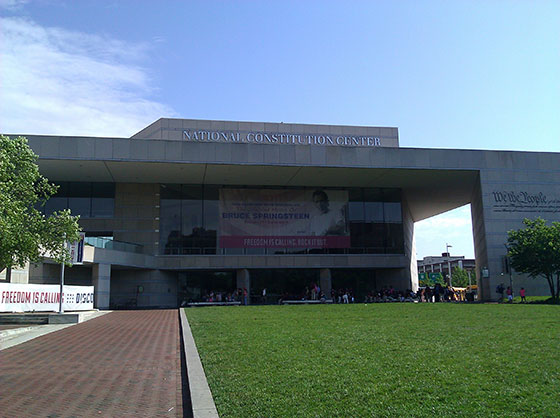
{"type": "Point", "coordinates": [44, 298]}
{"type": "Point", "coordinates": [272, 218]}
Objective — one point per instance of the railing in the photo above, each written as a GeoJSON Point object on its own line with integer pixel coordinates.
{"type": "Point", "coordinates": [280, 251]}
{"type": "Point", "coordinates": [110, 244]}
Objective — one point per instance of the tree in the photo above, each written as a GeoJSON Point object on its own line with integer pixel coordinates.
{"type": "Point", "coordinates": [535, 250]}
{"type": "Point", "coordinates": [460, 277]}
{"type": "Point", "coordinates": [26, 234]}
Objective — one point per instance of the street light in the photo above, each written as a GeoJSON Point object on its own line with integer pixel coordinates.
{"type": "Point", "coordinates": [507, 268]}
{"type": "Point", "coordinates": [447, 247]}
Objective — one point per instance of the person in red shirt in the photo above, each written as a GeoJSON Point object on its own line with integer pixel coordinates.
{"type": "Point", "coordinates": [509, 294]}
{"type": "Point", "coordinates": [522, 294]}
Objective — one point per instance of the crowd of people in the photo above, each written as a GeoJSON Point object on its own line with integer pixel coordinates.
{"type": "Point", "coordinates": [239, 295]}
{"type": "Point", "coordinates": [509, 293]}
{"type": "Point", "coordinates": [438, 293]}
{"type": "Point", "coordinates": [313, 292]}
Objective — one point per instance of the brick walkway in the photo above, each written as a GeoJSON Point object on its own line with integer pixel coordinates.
{"type": "Point", "coordinates": [123, 364]}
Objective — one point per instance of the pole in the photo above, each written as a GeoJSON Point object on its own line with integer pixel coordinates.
{"type": "Point", "coordinates": [508, 264]}
{"type": "Point", "coordinates": [510, 277]}
{"type": "Point", "coordinates": [447, 246]}
{"type": "Point", "coordinates": [60, 310]}
{"type": "Point", "coordinates": [61, 288]}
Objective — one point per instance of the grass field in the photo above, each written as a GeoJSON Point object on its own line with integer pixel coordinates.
{"type": "Point", "coordinates": [381, 359]}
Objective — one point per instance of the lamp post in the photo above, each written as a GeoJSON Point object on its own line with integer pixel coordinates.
{"type": "Point", "coordinates": [447, 247]}
{"type": "Point", "coordinates": [508, 268]}
{"type": "Point", "coordinates": [61, 293]}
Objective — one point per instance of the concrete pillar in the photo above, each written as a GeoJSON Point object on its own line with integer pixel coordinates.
{"type": "Point", "coordinates": [244, 282]}
{"type": "Point", "coordinates": [101, 279]}
{"type": "Point", "coordinates": [37, 273]}
{"type": "Point", "coordinates": [325, 282]}
{"type": "Point", "coordinates": [16, 275]}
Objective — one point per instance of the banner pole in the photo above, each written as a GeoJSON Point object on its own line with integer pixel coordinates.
{"type": "Point", "coordinates": [61, 281]}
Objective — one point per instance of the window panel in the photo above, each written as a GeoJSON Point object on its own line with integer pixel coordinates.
{"type": "Point", "coordinates": [80, 206]}
{"type": "Point", "coordinates": [356, 211]}
{"type": "Point", "coordinates": [55, 204]}
{"type": "Point", "coordinates": [79, 189]}
{"type": "Point", "coordinates": [170, 225]}
{"type": "Point", "coordinates": [373, 211]}
{"type": "Point", "coordinates": [102, 207]}
{"type": "Point", "coordinates": [170, 191]}
{"type": "Point", "coordinates": [106, 190]}
{"type": "Point", "coordinates": [393, 212]}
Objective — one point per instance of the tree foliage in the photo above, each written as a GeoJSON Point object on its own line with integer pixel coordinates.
{"type": "Point", "coordinates": [25, 233]}
{"type": "Point", "coordinates": [460, 277]}
{"type": "Point", "coordinates": [535, 251]}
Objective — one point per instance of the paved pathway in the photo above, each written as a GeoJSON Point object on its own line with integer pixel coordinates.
{"type": "Point", "coordinates": [122, 364]}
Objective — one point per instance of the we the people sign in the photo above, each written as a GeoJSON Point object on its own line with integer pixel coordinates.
{"type": "Point", "coordinates": [44, 298]}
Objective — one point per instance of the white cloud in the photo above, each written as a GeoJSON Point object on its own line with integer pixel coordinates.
{"type": "Point", "coordinates": [60, 82]}
{"type": "Point", "coordinates": [453, 227]}
{"type": "Point", "coordinates": [12, 4]}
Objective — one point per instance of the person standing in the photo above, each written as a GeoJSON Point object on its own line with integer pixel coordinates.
{"type": "Point", "coordinates": [264, 296]}
{"type": "Point", "coordinates": [522, 294]}
{"type": "Point", "coordinates": [245, 294]}
{"type": "Point", "coordinates": [437, 292]}
{"type": "Point", "coordinates": [500, 291]}
{"type": "Point", "coordinates": [509, 293]}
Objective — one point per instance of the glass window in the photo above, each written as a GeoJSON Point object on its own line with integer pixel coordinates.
{"type": "Point", "coordinates": [170, 225]}
{"type": "Point", "coordinates": [62, 190]}
{"type": "Point", "coordinates": [102, 207]}
{"type": "Point", "coordinates": [211, 208]}
{"type": "Point", "coordinates": [191, 217]}
{"type": "Point", "coordinates": [391, 195]}
{"type": "Point", "coordinates": [357, 234]}
{"type": "Point", "coordinates": [373, 195]}
{"type": "Point", "coordinates": [233, 251]}
{"type": "Point", "coordinates": [191, 192]}
{"type": "Point", "coordinates": [255, 251]}
{"type": "Point", "coordinates": [106, 190]}
{"type": "Point", "coordinates": [189, 222]}
{"type": "Point", "coordinates": [210, 219]}
{"type": "Point", "coordinates": [393, 212]}
{"type": "Point", "coordinates": [395, 239]}
{"type": "Point", "coordinates": [170, 191]}
{"type": "Point", "coordinates": [55, 204]}
{"type": "Point", "coordinates": [80, 206]}
{"type": "Point", "coordinates": [373, 211]}
{"type": "Point", "coordinates": [84, 199]}
{"type": "Point", "coordinates": [79, 189]}
{"type": "Point", "coordinates": [375, 236]}
{"type": "Point", "coordinates": [356, 211]}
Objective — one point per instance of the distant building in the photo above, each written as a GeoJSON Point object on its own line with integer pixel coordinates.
{"type": "Point", "coordinates": [442, 264]}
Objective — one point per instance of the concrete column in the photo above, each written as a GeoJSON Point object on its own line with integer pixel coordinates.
{"type": "Point", "coordinates": [101, 279]}
{"type": "Point", "coordinates": [18, 275]}
{"type": "Point", "coordinates": [325, 282]}
{"type": "Point", "coordinates": [244, 282]}
{"type": "Point", "coordinates": [37, 273]}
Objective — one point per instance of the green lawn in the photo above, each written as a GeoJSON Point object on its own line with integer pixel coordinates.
{"type": "Point", "coordinates": [381, 359]}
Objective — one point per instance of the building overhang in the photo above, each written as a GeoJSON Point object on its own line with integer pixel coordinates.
{"type": "Point", "coordinates": [428, 192]}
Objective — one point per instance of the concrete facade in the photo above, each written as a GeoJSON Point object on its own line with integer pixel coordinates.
{"type": "Point", "coordinates": [503, 187]}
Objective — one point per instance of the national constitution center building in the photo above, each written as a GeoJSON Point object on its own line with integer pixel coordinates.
{"type": "Point", "coordinates": [188, 207]}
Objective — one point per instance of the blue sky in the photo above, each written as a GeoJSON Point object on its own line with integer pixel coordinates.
{"type": "Point", "coordinates": [448, 74]}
